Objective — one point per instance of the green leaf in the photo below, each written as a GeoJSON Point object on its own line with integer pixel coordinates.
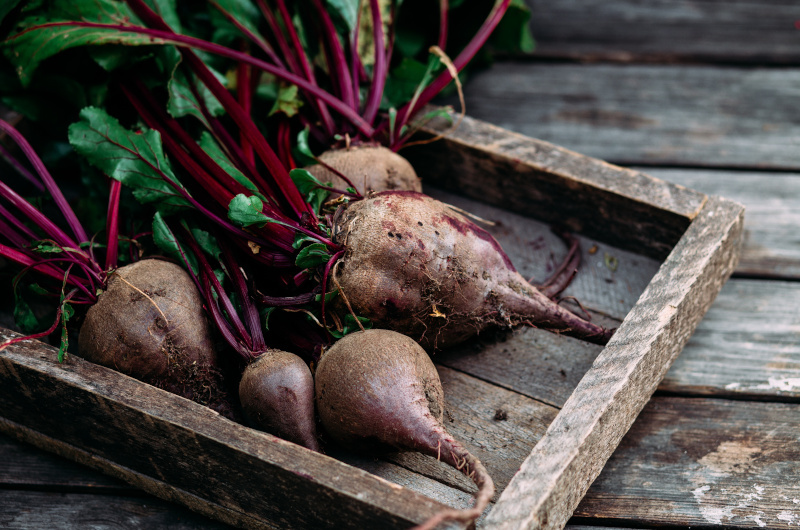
{"type": "Point", "coordinates": [347, 11]}
{"type": "Point", "coordinates": [288, 103]}
{"type": "Point", "coordinates": [46, 247]}
{"type": "Point", "coordinates": [513, 33]}
{"type": "Point", "coordinates": [24, 316]}
{"type": "Point", "coordinates": [301, 239]}
{"type": "Point", "coordinates": [209, 144]}
{"type": "Point", "coordinates": [247, 211]}
{"type": "Point", "coordinates": [27, 49]}
{"type": "Point", "coordinates": [168, 242]}
{"type": "Point", "coordinates": [302, 152]}
{"type": "Point", "coordinates": [329, 296]}
{"type": "Point", "coordinates": [245, 12]}
{"type": "Point", "coordinates": [67, 312]}
{"type": "Point", "coordinates": [182, 101]}
{"type": "Point", "coordinates": [313, 255]}
{"type": "Point", "coordinates": [265, 314]}
{"type": "Point", "coordinates": [309, 187]}
{"type": "Point", "coordinates": [207, 242]}
{"type": "Point", "coordinates": [136, 158]}
{"type": "Point", "coordinates": [349, 325]}
{"type": "Point", "coordinates": [6, 7]}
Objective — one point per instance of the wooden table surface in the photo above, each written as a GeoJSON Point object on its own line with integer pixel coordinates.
{"type": "Point", "coordinates": [698, 92]}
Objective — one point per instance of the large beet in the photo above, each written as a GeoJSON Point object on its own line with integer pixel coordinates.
{"type": "Point", "coordinates": [378, 388]}
{"type": "Point", "coordinates": [369, 168]}
{"type": "Point", "coordinates": [150, 324]}
{"type": "Point", "coordinates": [414, 265]}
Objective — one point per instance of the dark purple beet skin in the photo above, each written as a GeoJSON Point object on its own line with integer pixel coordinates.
{"type": "Point", "coordinates": [379, 388]}
{"type": "Point", "coordinates": [277, 396]}
{"type": "Point", "coordinates": [415, 265]}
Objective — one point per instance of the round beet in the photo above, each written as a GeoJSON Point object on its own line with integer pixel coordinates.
{"type": "Point", "coordinates": [149, 323]}
{"type": "Point", "coordinates": [415, 265]}
{"type": "Point", "coordinates": [369, 168]}
{"type": "Point", "coordinates": [277, 396]}
{"type": "Point", "coordinates": [379, 387]}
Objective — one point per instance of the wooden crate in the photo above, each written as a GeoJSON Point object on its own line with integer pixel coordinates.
{"type": "Point", "coordinates": [545, 412]}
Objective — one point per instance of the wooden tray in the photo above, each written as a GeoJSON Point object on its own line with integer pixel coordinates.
{"type": "Point", "coordinates": [543, 412]}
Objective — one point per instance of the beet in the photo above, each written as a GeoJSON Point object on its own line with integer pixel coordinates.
{"type": "Point", "coordinates": [379, 389]}
{"type": "Point", "coordinates": [150, 324]}
{"type": "Point", "coordinates": [277, 396]}
{"type": "Point", "coordinates": [369, 168]}
{"type": "Point", "coordinates": [414, 265]}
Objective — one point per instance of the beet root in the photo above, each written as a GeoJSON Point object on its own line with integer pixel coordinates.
{"type": "Point", "coordinates": [415, 265]}
{"type": "Point", "coordinates": [369, 168]}
{"type": "Point", "coordinates": [150, 324]}
{"type": "Point", "coordinates": [277, 396]}
{"type": "Point", "coordinates": [379, 387]}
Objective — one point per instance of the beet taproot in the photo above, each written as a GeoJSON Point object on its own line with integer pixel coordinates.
{"type": "Point", "coordinates": [368, 167]}
{"type": "Point", "coordinates": [415, 265]}
{"type": "Point", "coordinates": [378, 388]}
{"type": "Point", "coordinates": [277, 396]}
{"type": "Point", "coordinates": [149, 323]}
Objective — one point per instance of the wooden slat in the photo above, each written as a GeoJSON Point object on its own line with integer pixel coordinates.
{"type": "Point", "coordinates": [629, 209]}
{"type": "Point", "coordinates": [654, 115]}
{"type": "Point", "coordinates": [558, 472]}
{"type": "Point", "coordinates": [746, 346]}
{"type": "Point", "coordinates": [772, 201]}
{"type": "Point", "coordinates": [664, 30]}
{"type": "Point", "coordinates": [24, 466]}
{"type": "Point", "coordinates": [186, 453]}
{"type": "Point", "coordinates": [26, 510]}
{"type": "Point", "coordinates": [704, 463]}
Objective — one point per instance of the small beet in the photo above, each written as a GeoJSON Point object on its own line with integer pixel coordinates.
{"type": "Point", "coordinates": [277, 396]}
{"type": "Point", "coordinates": [380, 388]}
{"type": "Point", "coordinates": [150, 324]}
{"type": "Point", "coordinates": [415, 265]}
{"type": "Point", "coordinates": [369, 168]}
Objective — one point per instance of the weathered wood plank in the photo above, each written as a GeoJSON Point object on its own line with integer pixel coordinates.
{"type": "Point", "coordinates": [27, 510]}
{"type": "Point", "coordinates": [24, 466]}
{"type": "Point", "coordinates": [186, 453]}
{"type": "Point", "coordinates": [663, 30]}
{"type": "Point", "coordinates": [556, 475]}
{"type": "Point", "coordinates": [629, 209]}
{"type": "Point", "coordinates": [772, 202]}
{"type": "Point", "coordinates": [747, 345]}
{"type": "Point", "coordinates": [704, 462]}
{"type": "Point", "coordinates": [654, 115]}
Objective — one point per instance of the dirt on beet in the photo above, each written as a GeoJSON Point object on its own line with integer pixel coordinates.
{"type": "Point", "coordinates": [150, 324]}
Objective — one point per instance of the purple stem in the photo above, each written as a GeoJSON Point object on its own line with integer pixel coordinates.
{"type": "Point", "coordinates": [337, 63]}
{"type": "Point", "coordinates": [49, 183]}
{"type": "Point", "coordinates": [112, 225]}
{"type": "Point", "coordinates": [22, 170]}
{"type": "Point", "coordinates": [251, 317]}
{"type": "Point", "coordinates": [380, 70]}
{"type": "Point", "coordinates": [185, 41]}
{"type": "Point", "coordinates": [19, 225]}
{"type": "Point", "coordinates": [460, 62]}
{"type": "Point", "coordinates": [443, 12]}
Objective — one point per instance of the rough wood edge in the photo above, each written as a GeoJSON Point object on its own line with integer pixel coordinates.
{"type": "Point", "coordinates": [558, 472]}
{"type": "Point", "coordinates": [157, 488]}
{"type": "Point", "coordinates": [33, 382]}
{"type": "Point", "coordinates": [630, 209]}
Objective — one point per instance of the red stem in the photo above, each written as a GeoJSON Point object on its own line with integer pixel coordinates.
{"type": "Point", "coordinates": [380, 69]}
{"type": "Point", "coordinates": [112, 225]}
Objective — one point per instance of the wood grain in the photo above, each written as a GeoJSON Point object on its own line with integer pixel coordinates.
{"type": "Point", "coordinates": [705, 463]}
{"type": "Point", "coordinates": [644, 114]}
{"type": "Point", "coordinates": [746, 346]}
{"type": "Point", "coordinates": [561, 467]}
{"type": "Point", "coordinates": [23, 510]}
{"type": "Point", "coordinates": [618, 206]}
{"type": "Point", "coordinates": [772, 200]}
{"type": "Point", "coordinates": [666, 31]}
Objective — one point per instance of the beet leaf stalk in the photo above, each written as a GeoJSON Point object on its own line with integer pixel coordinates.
{"type": "Point", "coordinates": [64, 264]}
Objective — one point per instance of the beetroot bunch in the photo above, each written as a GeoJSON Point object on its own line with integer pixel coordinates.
{"type": "Point", "coordinates": [292, 266]}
